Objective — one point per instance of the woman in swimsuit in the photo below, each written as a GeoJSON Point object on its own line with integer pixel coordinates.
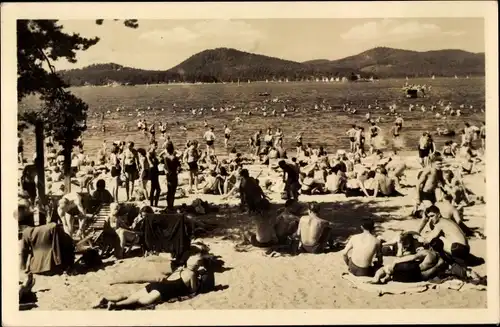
{"type": "Point", "coordinates": [191, 156]}
{"type": "Point", "coordinates": [129, 159]}
{"type": "Point", "coordinates": [115, 169]}
{"type": "Point", "coordinates": [194, 279]}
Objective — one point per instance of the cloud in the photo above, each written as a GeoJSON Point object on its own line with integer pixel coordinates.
{"type": "Point", "coordinates": [206, 34]}
{"type": "Point", "coordinates": [391, 30]}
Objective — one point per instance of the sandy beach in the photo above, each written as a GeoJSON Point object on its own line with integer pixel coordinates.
{"type": "Point", "coordinates": [254, 280]}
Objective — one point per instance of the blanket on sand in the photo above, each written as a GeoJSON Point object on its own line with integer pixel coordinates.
{"type": "Point", "coordinates": [406, 288]}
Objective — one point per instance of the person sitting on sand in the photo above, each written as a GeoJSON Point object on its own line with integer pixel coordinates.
{"type": "Point", "coordinates": [447, 150]}
{"type": "Point", "coordinates": [118, 222]}
{"type": "Point", "coordinates": [287, 221]}
{"type": "Point", "coordinates": [336, 181]}
{"type": "Point", "coordinates": [212, 184]}
{"type": "Point", "coordinates": [454, 242]}
{"type": "Point", "coordinates": [363, 248]}
{"type": "Point", "coordinates": [413, 268]}
{"type": "Point", "coordinates": [382, 184]}
{"type": "Point", "coordinates": [184, 281]}
{"type": "Point", "coordinates": [449, 211]}
{"type": "Point", "coordinates": [313, 232]}
{"type": "Point", "coordinates": [101, 195]}
{"type": "Point", "coordinates": [454, 186]}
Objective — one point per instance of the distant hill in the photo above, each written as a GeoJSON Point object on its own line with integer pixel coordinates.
{"type": "Point", "coordinates": [226, 65]}
{"type": "Point", "coordinates": [389, 62]}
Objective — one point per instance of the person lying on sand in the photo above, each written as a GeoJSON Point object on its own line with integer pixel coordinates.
{"type": "Point", "coordinates": [404, 243]}
{"type": "Point", "coordinates": [363, 248]}
{"type": "Point", "coordinates": [411, 268]}
{"type": "Point", "coordinates": [191, 280]}
{"type": "Point", "coordinates": [314, 233]}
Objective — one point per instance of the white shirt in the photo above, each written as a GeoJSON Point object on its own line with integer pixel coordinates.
{"type": "Point", "coordinates": [227, 131]}
{"type": "Point", "coordinates": [209, 136]}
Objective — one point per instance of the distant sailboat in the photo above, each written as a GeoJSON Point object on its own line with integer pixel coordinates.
{"type": "Point", "coordinates": [406, 77]}
{"type": "Point", "coordinates": [267, 81]}
{"type": "Point", "coordinates": [286, 81]}
{"type": "Point", "coordinates": [433, 77]}
{"type": "Point", "coordinates": [456, 77]}
{"type": "Point", "coordinates": [467, 77]}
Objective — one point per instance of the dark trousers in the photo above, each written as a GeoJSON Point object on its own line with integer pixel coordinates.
{"type": "Point", "coordinates": [154, 195]}
{"type": "Point", "coordinates": [172, 183]}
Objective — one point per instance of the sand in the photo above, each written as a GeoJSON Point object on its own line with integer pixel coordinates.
{"type": "Point", "coordinates": [256, 281]}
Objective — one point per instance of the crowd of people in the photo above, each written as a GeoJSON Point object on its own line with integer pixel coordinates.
{"type": "Point", "coordinates": [144, 173]}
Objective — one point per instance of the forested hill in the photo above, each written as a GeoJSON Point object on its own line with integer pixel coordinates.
{"type": "Point", "coordinates": [226, 65]}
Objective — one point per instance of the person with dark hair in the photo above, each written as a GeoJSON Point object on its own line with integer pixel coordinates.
{"type": "Point", "coordinates": [184, 281]}
{"type": "Point", "coordinates": [209, 137]}
{"type": "Point", "coordinates": [154, 176]}
{"type": "Point", "coordinates": [421, 266]}
{"type": "Point", "coordinates": [313, 232]}
{"type": "Point", "coordinates": [172, 167]}
{"type": "Point", "coordinates": [363, 248]}
{"type": "Point", "coordinates": [351, 133]}
{"type": "Point", "coordinates": [143, 170]}
{"type": "Point", "coordinates": [130, 167]}
{"type": "Point", "coordinates": [115, 168]}
{"type": "Point", "coordinates": [192, 156]}
{"type": "Point", "coordinates": [101, 195]}
{"type": "Point", "coordinates": [448, 232]}
{"type": "Point", "coordinates": [291, 179]}
{"type": "Point", "coordinates": [383, 184]}
{"type": "Point", "coordinates": [430, 179]}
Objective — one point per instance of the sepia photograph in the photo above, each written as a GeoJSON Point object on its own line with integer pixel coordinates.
{"type": "Point", "coordinates": [278, 158]}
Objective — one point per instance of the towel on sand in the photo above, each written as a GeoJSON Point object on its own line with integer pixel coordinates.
{"type": "Point", "coordinates": [406, 288]}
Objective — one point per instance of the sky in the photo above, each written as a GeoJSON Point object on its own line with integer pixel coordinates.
{"type": "Point", "coordinates": [162, 44]}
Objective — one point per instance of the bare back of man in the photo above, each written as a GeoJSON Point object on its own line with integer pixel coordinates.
{"type": "Point", "coordinates": [451, 234]}
{"type": "Point", "coordinates": [362, 249]}
{"type": "Point", "coordinates": [314, 233]}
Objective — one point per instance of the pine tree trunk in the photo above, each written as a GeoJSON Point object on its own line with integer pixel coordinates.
{"type": "Point", "coordinates": [40, 172]}
{"type": "Point", "coordinates": [67, 167]}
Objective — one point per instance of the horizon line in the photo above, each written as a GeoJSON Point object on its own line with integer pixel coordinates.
{"type": "Point", "coordinates": [255, 53]}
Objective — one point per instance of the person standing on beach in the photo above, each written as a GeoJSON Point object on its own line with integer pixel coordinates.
{"type": "Point", "coordinates": [227, 136]}
{"type": "Point", "coordinates": [209, 137]}
{"type": "Point", "coordinates": [291, 179]}
{"type": "Point", "coordinates": [20, 149]}
{"type": "Point", "coordinates": [482, 134]}
{"type": "Point", "coordinates": [154, 175]}
{"type": "Point", "coordinates": [351, 133]}
{"type": "Point", "coordinates": [191, 157]}
{"type": "Point", "coordinates": [374, 133]}
{"type": "Point", "coordinates": [172, 166]}
{"type": "Point", "coordinates": [298, 141]}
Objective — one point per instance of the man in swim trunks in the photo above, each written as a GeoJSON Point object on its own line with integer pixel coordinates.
{"type": "Point", "coordinates": [255, 143]}
{"type": "Point", "coordinates": [209, 137]}
{"type": "Point", "coordinates": [69, 207]}
{"type": "Point", "coordinates": [411, 268]}
{"type": "Point", "coordinates": [430, 179]}
{"type": "Point", "coordinates": [363, 249]}
{"type": "Point", "coordinates": [374, 132]}
{"type": "Point", "coordinates": [454, 241]}
{"type": "Point", "coordinates": [351, 133]}
{"type": "Point", "coordinates": [227, 136]}
{"type": "Point", "coordinates": [314, 233]}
